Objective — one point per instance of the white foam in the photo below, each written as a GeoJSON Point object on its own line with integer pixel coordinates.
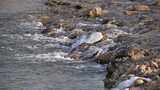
{"type": "Point", "coordinates": [41, 38]}
{"type": "Point", "coordinates": [46, 57]}
{"type": "Point", "coordinates": [87, 24]}
{"type": "Point", "coordinates": [31, 25]}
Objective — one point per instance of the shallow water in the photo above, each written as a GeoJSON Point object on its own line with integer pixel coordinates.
{"type": "Point", "coordinates": [31, 61]}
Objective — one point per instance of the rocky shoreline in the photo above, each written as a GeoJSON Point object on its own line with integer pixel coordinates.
{"type": "Point", "coordinates": [123, 34]}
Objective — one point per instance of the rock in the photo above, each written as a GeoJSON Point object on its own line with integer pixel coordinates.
{"type": "Point", "coordinates": [57, 2]}
{"type": "Point", "coordinates": [135, 88]}
{"type": "Point", "coordinates": [131, 13]}
{"type": "Point", "coordinates": [141, 7]}
{"type": "Point", "coordinates": [94, 37]}
{"type": "Point", "coordinates": [51, 33]}
{"type": "Point", "coordinates": [84, 52]}
{"type": "Point", "coordinates": [104, 58]}
{"type": "Point", "coordinates": [91, 52]}
{"type": "Point", "coordinates": [80, 40]}
{"type": "Point", "coordinates": [139, 82]}
{"type": "Point", "coordinates": [115, 33]}
{"type": "Point", "coordinates": [44, 31]}
{"type": "Point", "coordinates": [134, 10]}
{"type": "Point", "coordinates": [95, 12]}
{"type": "Point", "coordinates": [154, 85]}
{"type": "Point", "coordinates": [90, 38]}
{"type": "Point", "coordinates": [82, 47]}
{"type": "Point", "coordinates": [76, 33]}
{"type": "Point", "coordinates": [136, 54]}
{"type": "Point", "coordinates": [75, 55]}
{"type": "Point", "coordinates": [129, 83]}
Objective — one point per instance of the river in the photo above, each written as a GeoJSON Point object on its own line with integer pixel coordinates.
{"type": "Point", "coordinates": [31, 61]}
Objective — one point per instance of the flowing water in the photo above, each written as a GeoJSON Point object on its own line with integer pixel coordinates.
{"type": "Point", "coordinates": [31, 61]}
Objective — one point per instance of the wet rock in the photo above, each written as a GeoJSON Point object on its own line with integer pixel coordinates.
{"type": "Point", "coordinates": [110, 56]}
{"type": "Point", "coordinates": [105, 57]}
{"type": "Point", "coordinates": [136, 54]}
{"type": "Point", "coordinates": [148, 67]}
{"type": "Point", "coordinates": [95, 12]}
{"type": "Point", "coordinates": [131, 13]}
{"type": "Point", "coordinates": [79, 40]}
{"type": "Point", "coordinates": [91, 52]}
{"type": "Point", "coordinates": [115, 33]}
{"type": "Point", "coordinates": [94, 37]}
{"type": "Point", "coordinates": [90, 38]}
{"type": "Point", "coordinates": [154, 85]}
{"type": "Point", "coordinates": [75, 55]}
{"type": "Point", "coordinates": [55, 2]}
{"type": "Point", "coordinates": [76, 33]}
{"type": "Point", "coordinates": [53, 32]}
{"type": "Point", "coordinates": [130, 82]}
{"type": "Point", "coordinates": [82, 47]}
{"type": "Point", "coordinates": [141, 7]}
{"type": "Point", "coordinates": [139, 82]}
{"type": "Point", "coordinates": [135, 88]}
{"type": "Point", "coordinates": [132, 60]}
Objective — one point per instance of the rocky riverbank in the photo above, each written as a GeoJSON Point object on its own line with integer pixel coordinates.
{"type": "Point", "coordinates": [123, 34]}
